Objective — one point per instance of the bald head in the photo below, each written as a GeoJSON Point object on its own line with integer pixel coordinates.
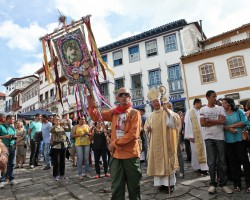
{"type": "Point", "coordinates": [122, 90]}
{"type": "Point", "coordinates": [123, 96]}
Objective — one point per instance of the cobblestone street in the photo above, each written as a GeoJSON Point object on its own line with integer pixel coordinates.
{"type": "Point", "coordinates": [38, 184]}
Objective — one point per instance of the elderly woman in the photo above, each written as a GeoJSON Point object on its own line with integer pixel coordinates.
{"type": "Point", "coordinates": [236, 148]}
{"type": "Point", "coordinates": [20, 144]}
{"type": "Point", "coordinates": [58, 148]}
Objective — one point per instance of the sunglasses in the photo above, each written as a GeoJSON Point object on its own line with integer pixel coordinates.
{"type": "Point", "coordinates": [124, 94]}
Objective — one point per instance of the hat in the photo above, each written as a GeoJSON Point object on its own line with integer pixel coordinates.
{"type": "Point", "coordinates": [153, 94]}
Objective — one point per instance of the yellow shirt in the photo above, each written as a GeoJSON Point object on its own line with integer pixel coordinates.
{"type": "Point", "coordinates": [83, 132]}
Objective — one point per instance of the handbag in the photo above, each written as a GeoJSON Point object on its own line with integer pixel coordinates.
{"type": "Point", "coordinates": [38, 137]}
{"type": "Point", "coordinates": [246, 134]}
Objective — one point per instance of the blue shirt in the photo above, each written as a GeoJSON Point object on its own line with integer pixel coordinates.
{"type": "Point", "coordinates": [7, 130]}
{"type": "Point", "coordinates": [233, 118]}
{"type": "Point", "coordinates": [46, 132]}
{"type": "Point", "coordinates": [35, 127]}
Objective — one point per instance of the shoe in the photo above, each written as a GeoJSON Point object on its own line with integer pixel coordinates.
{"type": "Point", "coordinates": [13, 182]}
{"type": "Point", "coordinates": [204, 173]}
{"type": "Point", "coordinates": [107, 175]}
{"type": "Point", "coordinates": [56, 178]}
{"type": "Point", "coordinates": [237, 189]}
{"type": "Point", "coordinates": [2, 184]}
{"type": "Point", "coordinates": [227, 190]}
{"type": "Point", "coordinates": [80, 177]}
{"type": "Point", "coordinates": [97, 176]}
{"type": "Point", "coordinates": [163, 188]}
{"type": "Point", "coordinates": [46, 168]}
{"type": "Point", "coordinates": [171, 189]}
{"type": "Point", "coordinates": [32, 166]}
{"type": "Point", "coordinates": [63, 177]}
{"type": "Point", "coordinates": [211, 190]}
{"type": "Point", "coordinates": [181, 175]}
{"type": "Point", "coordinates": [88, 175]}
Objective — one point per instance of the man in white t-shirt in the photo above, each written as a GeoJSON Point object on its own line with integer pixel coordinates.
{"type": "Point", "coordinates": [212, 118]}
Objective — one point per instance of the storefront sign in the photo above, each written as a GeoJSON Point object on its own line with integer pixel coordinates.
{"type": "Point", "coordinates": [174, 97]}
{"type": "Point", "coordinates": [233, 96]}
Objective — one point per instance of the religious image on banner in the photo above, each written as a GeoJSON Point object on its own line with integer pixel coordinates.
{"type": "Point", "coordinates": [74, 56]}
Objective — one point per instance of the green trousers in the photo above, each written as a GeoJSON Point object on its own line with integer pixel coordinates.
{"type": "Point", "coordinates": [125, 171]}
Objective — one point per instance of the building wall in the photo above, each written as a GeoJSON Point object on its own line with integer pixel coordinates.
{"type": "Point", "coordinates": [189, 37]}
{"type": "Point", "coordinates": [224, 83]}
{"type": "Point", "coordinates": [235, 38]}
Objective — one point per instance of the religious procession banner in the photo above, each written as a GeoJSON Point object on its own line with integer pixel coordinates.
{"type": "Point", "coordinates": [74, 56]}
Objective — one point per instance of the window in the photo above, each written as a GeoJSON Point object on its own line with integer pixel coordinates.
{"type": "Point", "coordinates": [41, 79]}
{"type": "Point", "coordinates": [105, 58]}
{"type": "Point", "coordinates": [104, 87]}
{"type": "Point", "coordinates": [236, 66]}
{"type": "Point", "coordinates": [41, 97]}
{"type": "Point", "coordinates": [170, 43]}
{"type": "Point", "coordinates": [207, 73]}
{"type": "Point", "coordinates": [175, 79]}
{"type": "Point", "coordinates": [248, 34]}
{"type": "Point", "coordinates": [117, 58]}
{"type": "Point", "coordinates": [151, 48]}
{"type": "Point", "coordinates": [46, 95]}
{"type": "Point", "coordinates": [134, 53]}
{"type": "Point", "coordinates": [119, 83]}
{"type": "Point", "coordinates": [226, 41]}
{"type": "Point", "coordinates": [154, 77]}
{"type": "Point", "coordinates": [64, 90]}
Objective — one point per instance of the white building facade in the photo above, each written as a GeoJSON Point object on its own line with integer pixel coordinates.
{"type": "Point", "coordinates": [223, 66]}
{"type": "Point", "coordinates": [151, 59]}
{"type": "Point", "coordinates": [14, 88]}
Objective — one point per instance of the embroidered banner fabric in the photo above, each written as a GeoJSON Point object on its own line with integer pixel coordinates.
{"type": "Point", "coordinates": [74, 56]}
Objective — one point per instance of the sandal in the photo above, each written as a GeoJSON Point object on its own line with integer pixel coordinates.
{"type": "Point", "coordinates": [237, 189]}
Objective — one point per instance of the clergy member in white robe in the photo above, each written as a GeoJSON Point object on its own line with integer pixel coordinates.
{"type": "Point", "coordinates": [162, 129]}
{"type": "Point", "coordinates": [193, 132]}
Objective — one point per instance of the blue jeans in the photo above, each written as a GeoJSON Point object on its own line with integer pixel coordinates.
{"type": "Point", "coordinates": [10, 165]}
{"type": "Point", "coordinates": [82, 153]}
{"type": "Point", "coordinates": [180, 157]}
{"type": "Point", "coordinates": [46, 151]}
{"type": "Point", "coordinates": [216, 151]}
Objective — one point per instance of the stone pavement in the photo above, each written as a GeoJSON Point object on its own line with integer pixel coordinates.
{"type": "Point", "coordinates": [38, 184]}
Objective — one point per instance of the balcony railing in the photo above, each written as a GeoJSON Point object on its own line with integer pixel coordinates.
{"type": "Point", "coordinates": [15, 106]}
{"type": "Point", "coordinates": [137, 93]}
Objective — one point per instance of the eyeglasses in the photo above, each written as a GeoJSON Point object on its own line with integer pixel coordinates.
{"type": "Point", "coordinates": [124, 94]}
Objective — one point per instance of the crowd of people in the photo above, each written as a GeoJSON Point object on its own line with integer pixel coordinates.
{"type": "Point", "coordinates": [123, 137]}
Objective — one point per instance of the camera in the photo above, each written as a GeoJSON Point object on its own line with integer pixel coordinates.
{"type": "Point", "coordinates": [13, 137]}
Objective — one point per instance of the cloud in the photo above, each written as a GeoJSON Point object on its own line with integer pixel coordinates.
{"type": "Point", "coordinates": [217, 16]}
{"type": "Point", "coordinates": [8, 78]}
{"type": "Point", "coordinates": [29, 68]}
{"type": "Point", "coordinates": [24, 38]}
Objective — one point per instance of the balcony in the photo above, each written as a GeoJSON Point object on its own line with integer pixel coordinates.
{"type": "Point", "coordinates": [175, 86]}
{"type": "Point", "coordinates": [137, 93]}
{"type": "Point", "coordinates": [15, 106]}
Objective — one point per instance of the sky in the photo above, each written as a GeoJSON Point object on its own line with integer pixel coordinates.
{"type": "Point", "coordinates": [22, 22]}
